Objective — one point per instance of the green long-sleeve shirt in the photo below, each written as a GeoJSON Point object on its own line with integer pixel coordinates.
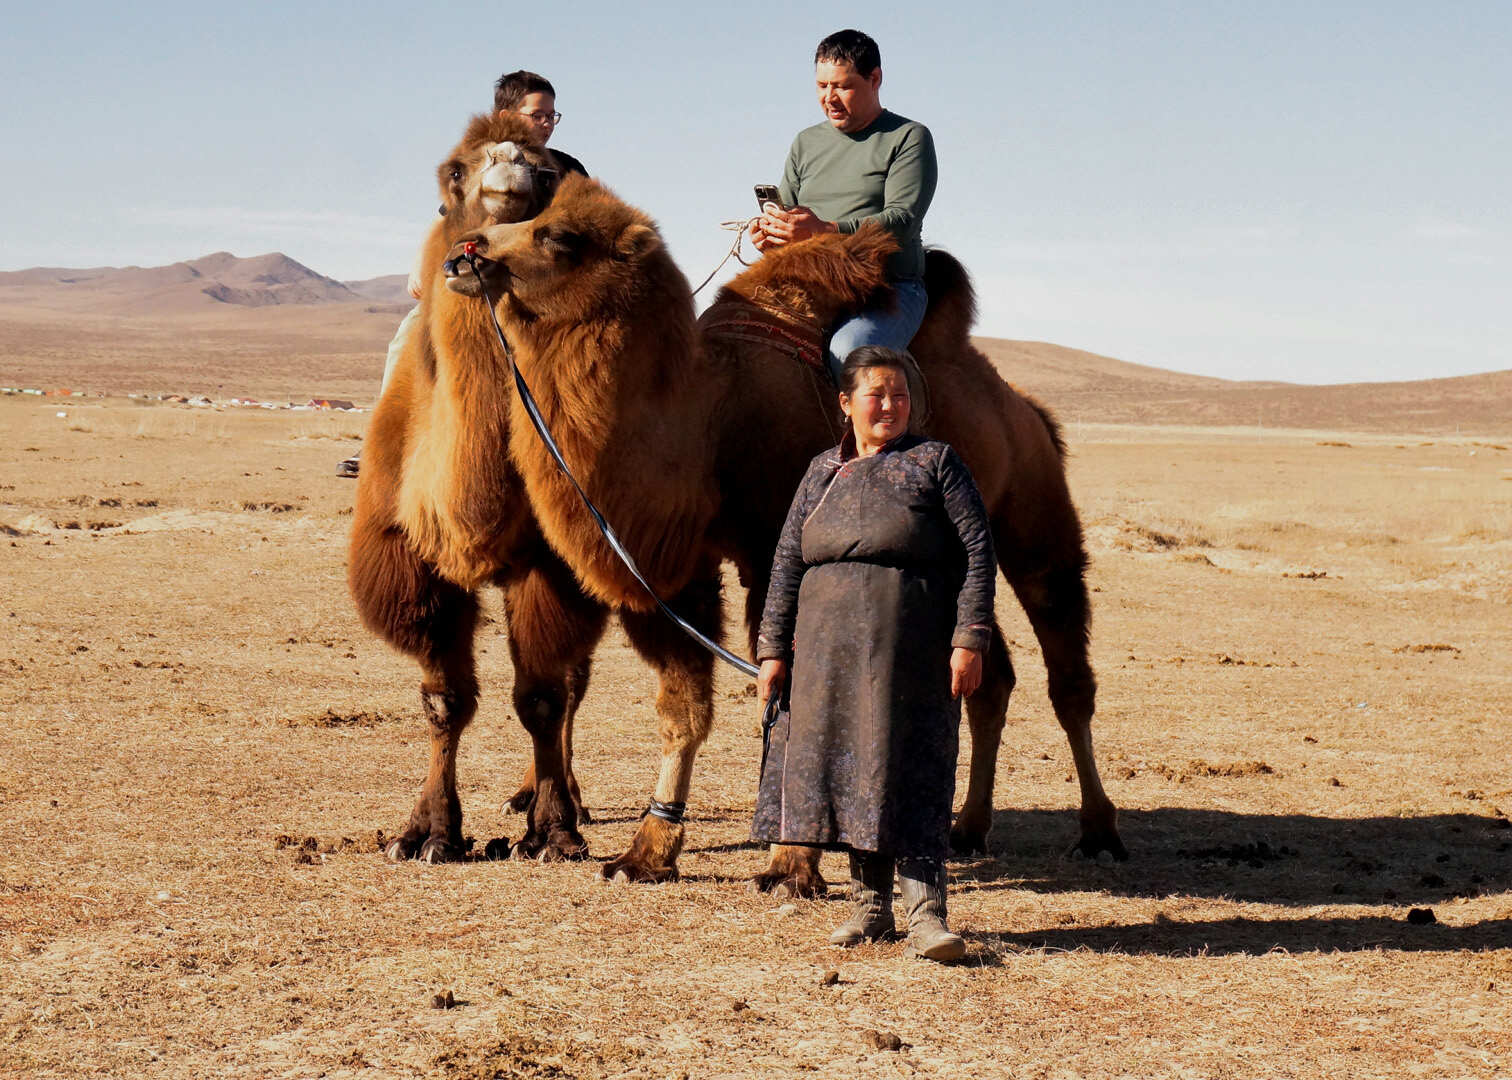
{"type": "Point", "coordinates": [886, 174]}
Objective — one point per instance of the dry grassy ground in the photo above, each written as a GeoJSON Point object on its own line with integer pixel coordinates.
{"type": "Point", "coordinates": [1303, 646]}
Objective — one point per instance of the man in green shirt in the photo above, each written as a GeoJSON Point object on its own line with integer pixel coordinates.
{"type": "Point", "coordinates": [862, 163]}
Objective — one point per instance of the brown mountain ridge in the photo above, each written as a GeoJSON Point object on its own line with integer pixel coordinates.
{"type": "Point", "coordinates": [219, 278]}
{"type": "Point", "coordinates": [270, 327]}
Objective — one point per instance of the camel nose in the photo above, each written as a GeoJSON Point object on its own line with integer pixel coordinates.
{"type": "Point", "coordinates": [504, 153]}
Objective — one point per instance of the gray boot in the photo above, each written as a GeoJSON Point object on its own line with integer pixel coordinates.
{"type": "Point", "coordinates": [871, 900]}
{"type": "Point", "coordinates": [922, 882]}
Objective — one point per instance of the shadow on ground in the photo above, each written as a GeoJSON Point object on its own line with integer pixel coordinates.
{"type": "Point", "coordinates": [1253, 937]}
{"type": "Point", "coordinates": [1291, 859]}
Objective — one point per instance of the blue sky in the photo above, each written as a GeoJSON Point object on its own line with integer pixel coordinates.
{"type": "Point", "coordinates": [1309, 192]}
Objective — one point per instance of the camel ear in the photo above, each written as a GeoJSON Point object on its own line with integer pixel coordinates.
{"type": "Point", "coordinates": [638, 241]}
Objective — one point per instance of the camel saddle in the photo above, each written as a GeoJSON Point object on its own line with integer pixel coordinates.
{"type": "Point", "coordinates": [735, 318]}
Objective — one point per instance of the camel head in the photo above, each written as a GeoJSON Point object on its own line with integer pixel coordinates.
{"type": "Point", "coordinates": [498, 172]}
{"type": "Point", "coordinates": [574, 257]}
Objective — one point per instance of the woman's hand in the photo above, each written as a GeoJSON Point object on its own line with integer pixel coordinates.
{"type": "Point", "coordinates": [770, 679]}
{"type": "Point", "coordinates": [965, 671]}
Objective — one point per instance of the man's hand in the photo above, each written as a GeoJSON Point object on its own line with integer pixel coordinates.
{"type": "Point", "coordinates": [759, 238]}
{"type": "Point", "coordinates": [770, 679]}
{"type": "Point", "coordinates": [965, 672]}
{"type": "Point", "coordinates": [778, 226]}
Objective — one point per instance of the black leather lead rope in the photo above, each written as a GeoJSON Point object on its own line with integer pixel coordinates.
{"type": "Point", "coordinates": [672, 812]}
{"type": "Point", "coordinates": [528, 399]}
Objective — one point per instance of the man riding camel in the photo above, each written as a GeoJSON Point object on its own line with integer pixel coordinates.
{"type": "Point", "coordinates": [861, 163]}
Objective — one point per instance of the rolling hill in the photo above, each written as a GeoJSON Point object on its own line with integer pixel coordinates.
{"type": "Point", "coordinates": [270, 327]}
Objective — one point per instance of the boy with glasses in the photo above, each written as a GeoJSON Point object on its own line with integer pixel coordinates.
{"type": "Point", "coordinates": [533, 97]}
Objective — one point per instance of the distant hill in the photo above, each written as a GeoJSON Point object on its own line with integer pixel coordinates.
{"type": "Point", "coordinates": [1082, 386]}
{"type": "Point", "coordinates": [271, 327]}
{"type": "Point", "coordinates": [220, 278]}
{"type": "Point", "coordinates": [388, 289]}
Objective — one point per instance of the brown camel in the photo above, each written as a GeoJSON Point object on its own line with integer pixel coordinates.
{"type": "Point", "coordinates": [441, 512]}
{"type": "Point", "coordinates": [692, 443]}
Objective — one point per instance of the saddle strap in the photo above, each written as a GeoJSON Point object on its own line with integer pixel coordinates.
{"type": "Point", "coordinates": [801, 346]}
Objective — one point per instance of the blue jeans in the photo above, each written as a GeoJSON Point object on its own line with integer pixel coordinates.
{"type": "Point", "coordinates": [893, 328]}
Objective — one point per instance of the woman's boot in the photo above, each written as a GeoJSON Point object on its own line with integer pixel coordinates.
{"type": "Point", "coordinates": [922, 882]}
{"type": "Point", "coordinates": [871, 900]}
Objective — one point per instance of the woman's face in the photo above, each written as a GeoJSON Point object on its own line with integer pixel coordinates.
{"type": "Point", "coordinates": [878, 410]}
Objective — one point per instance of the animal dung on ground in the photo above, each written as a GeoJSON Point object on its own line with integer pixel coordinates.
{"type": "Point", "coordinates": [882, 1040]}
{"type": "Point", "coordinates": [443, 1001]}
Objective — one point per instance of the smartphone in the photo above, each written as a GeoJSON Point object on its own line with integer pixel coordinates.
{"type": "Point", "coordinates": [767, 193]}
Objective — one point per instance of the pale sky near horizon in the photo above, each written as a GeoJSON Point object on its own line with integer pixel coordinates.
{"type": "Point", "coordinates": [1306, 192]}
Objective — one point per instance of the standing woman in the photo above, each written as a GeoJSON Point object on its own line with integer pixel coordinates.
{"type": "Point", "coordinates": [880, 609]}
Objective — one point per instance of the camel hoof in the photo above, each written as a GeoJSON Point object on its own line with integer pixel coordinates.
{"type": "Point", "coordinates": [1095, 842]}
{"type": "Point", "coordinates": [520, 801]}
{"type": "Point", "coordinates": [968, 842]}
{"type": "Point", "coordinates": [399, 851]}
{"type": "Point", "coordinates": [623, 872]}
{"type": "Point", "coordinates": [436, 850]}
{"type": "Point", "coordinates": [788, 886]}
{"type": "Point", "coordinates": [557, 846]}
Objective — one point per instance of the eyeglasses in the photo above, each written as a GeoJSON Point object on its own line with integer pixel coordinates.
{"type": "Point", "coordinates": [552, 118]}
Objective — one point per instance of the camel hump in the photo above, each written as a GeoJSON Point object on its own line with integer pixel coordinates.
{"type": "Point", "coordinates": [952, 298]}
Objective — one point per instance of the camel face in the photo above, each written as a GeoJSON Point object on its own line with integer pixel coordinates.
{"type": "Point", "coordinates": [507, 180]}
{"type": "Point", "coordinates": [498, 172]}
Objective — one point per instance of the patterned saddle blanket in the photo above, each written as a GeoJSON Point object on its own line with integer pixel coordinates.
{"type": "Point", "coordinates": [736, 319]}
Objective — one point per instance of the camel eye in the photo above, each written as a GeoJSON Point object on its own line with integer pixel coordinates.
{"type": "Point", "coordinates": [559, 241]}
{"type": "Point", "coordinates": [456, 173]}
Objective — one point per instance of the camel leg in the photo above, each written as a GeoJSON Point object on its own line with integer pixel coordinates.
{"type": "Point", "coordinates": [685, 712]}
{"type": "Point", "coordinates": [449, 695]}
{"type": "Point", "coordinates": [519, 802]}
{"type": "Point", "coordinates": [986, 711]}
{"type": "Point", "coordinates": [1056, 603]}
{"type": "Point", "coordinates": [552, 631]}
{"type": "Point", "coordinates": [577, 686]}
{"type": "Point", "coordinates": [404, 601]}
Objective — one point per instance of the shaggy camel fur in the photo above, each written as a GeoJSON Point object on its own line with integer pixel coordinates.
{"type": "Point", "coordinates": [441, 512]}
{"type": "Point", "coordinates": [691, 444]}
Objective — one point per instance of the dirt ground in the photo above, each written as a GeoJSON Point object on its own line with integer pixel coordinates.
{"type": "Point", "coordinates": [1303, 644]}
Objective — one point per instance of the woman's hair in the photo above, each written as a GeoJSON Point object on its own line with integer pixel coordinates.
{"type": "Point", "coordinates": [880, 356]}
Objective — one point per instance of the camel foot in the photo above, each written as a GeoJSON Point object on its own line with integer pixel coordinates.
{"type": "Point", "coordinates": [618, 872]}
{"type": "Point", "coordinates": [555, 845]}
{"type": "Point", "coordinates": [965, 840]}
{"type": "Point", "coordinates": [652, 856]}
{"type": "Point", "coordinates": [520, 801]}
{"type": "Point", "coordinates": [1097, 840]}
{"type": "Point", "coordinates": [792, 874]}
{"type": "Point", "coordinates": [424, 848]}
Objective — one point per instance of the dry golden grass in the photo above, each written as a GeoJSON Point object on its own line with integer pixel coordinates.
{"type": "Point", "coordinates": [1303, 655]}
